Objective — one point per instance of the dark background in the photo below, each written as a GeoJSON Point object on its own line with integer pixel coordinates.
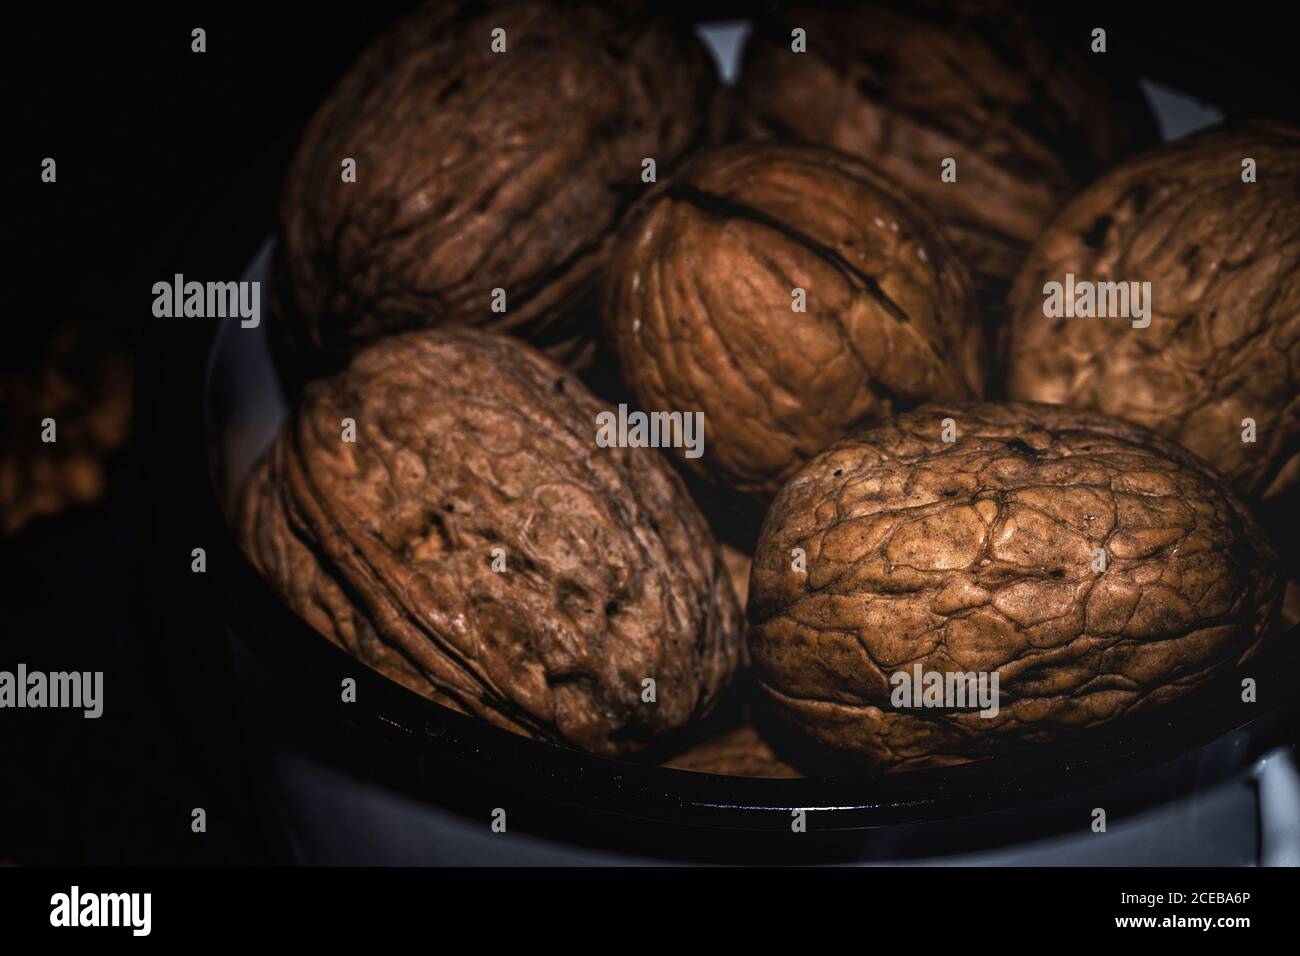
{"type": "Point", "coordinates": [170, 161]}
{"type": "Point", "coordinates": [167, 161]}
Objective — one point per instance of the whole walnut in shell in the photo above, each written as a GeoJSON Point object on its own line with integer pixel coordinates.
{"type": "Point", "coordinates": [479, 170]}
{"type": "Point", "coordinates": [1094, 567]}
{"type": "Point", "coordinates": [476, 546]}
{"type": "Point", "coordinates": [1222, 257]}
{"type": "Point", "coordinates": [910, 85]}
{"type": "Point", "coordinates": [703, 298]}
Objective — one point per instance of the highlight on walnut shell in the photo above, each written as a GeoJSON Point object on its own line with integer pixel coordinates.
{"type": "Point", "coordinates": [1079, 569]}
{"type": "Point", "coordinates": [788, 293]}
{"type": "Point", "coordinates": [494, 149]}
{"type": "Point", "coordinates": [472, 543]}
{"type": "Point", "coordinates": [1212, 357]}
{"type": "Point", "coordinates": [1023, 119]}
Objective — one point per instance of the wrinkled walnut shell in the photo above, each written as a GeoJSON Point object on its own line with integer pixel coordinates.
{"type": "Point", "coordinates": [700, 303]}
{"type": "Point", "coordinates": [978, 556]}
{"type": "Point", "coordinates": [907, 86]}
{"type": "Point", "coordinates": [467, 442]}
{"type": "Point", "coordinates": [478, 170]}
{"type": "Point", "coordinates": [1223, 260]}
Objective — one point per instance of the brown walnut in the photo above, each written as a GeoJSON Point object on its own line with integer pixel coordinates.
{"type": "Point", "coordinates": [738, 563]}
{"type": "Point", "coordinates": [468, 442]}
{"type": "Point", "coordinates": [1223, 260]}
{"type": "Point", "coordinates": [981, 556]}
{"type": "Point", "coordinates": [908, 85]}
{"type": "Point", "coordinates": [478, 170]}
{"type": "Point", "coordinates": [740, 752]}
{"type": "Point", "coordinates": [701, 297]}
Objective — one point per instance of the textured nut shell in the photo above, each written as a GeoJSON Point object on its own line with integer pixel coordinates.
{"type": "Point", "coordinates": [977, 556]}
{"type": "Point", "coordinates": [699, 303]}
{"type": "Point", "coordinates": [467, 441]}
{"type": "Point", "coordinates": [1223, 260]}
{"type": "Point", "coordinates": [909, 85]}
{"type": "Point", "coordinates": [478, 170]}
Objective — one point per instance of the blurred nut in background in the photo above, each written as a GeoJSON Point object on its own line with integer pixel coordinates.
{"type": "Point", "coordinates": [496, 146]}
{"type": "Point", "coordinates": [789, 293]}
{"type": "Point", "coordinates": [738, 563]}
{"type": "Point", "coordinates": [80, 379]}
{"type": "Point", "coordinates": [474, 545]}
{"type": "Point", "coordinates": [907, 86]}
{"type": "Point", "coordinates": [981, 556]}
{"type": "Point", "coordinates": [1223, 260]}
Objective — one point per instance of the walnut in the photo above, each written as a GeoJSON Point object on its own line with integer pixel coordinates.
{"type": "Point", "coordinates": [908, 86]}
{"type": "Point", "coordinates": [740, 752]}
{"type": "Point", "coordinates": [1095, 568]}
{"type": "Point", "coordinates": [1222, 257]}
{"type": "Point", "coordinates": [479, 170]}
{"type": "Point", "coordinates": [737, 562]}
{"type": "Point", "coordinates": [476, 546]}
{"type": "Point", "coordinates": [80, 375]}
{"type": "Point", "coordinates": [704, 293]}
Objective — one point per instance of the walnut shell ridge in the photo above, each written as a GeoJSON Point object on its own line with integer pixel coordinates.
{"type": "Point", "coordinates": [908, 85]}
{"type": "Point", "coordinates": [1223, 260]}
{"type": "Point", "coordinates": [699, 301]}
{"type": "Point", "coordinates": [978, 556]}
{"type": "Point", "coordinates": [478, 170]}
{"type": "Point", "coordinates": [466, 442]}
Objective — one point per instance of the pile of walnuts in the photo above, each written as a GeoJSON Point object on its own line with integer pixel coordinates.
{"type": "Point", "coordinates": [513, 225]}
